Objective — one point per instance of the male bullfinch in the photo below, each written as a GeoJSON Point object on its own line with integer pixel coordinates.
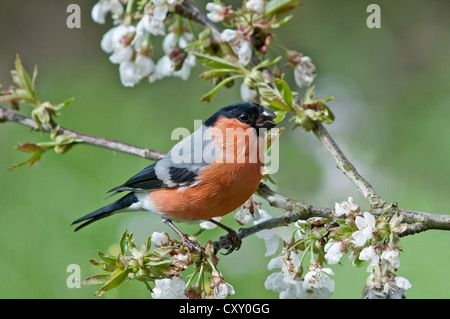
{"type": "Point", "coordinates": [208, 174]}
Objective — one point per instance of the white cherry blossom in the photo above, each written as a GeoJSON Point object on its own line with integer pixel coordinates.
{"type": "Point", "coordinates": [270, 236]}
{"type": "Point", "coordinates": [392, 257]}
{"type": "Point", "coordinates": [216, 12]}
{"type": "Point", "coordinates": [239, 44]}
{"type": "Point", "coordinates": [245, 53]}
{"type": "Point", "coordinates": [169, 288]}
{"type": "Point", "coordinates": [160, 239]}
{"type": "Point", "coordinates": [345, 207]}
{"type": "Point", "coordinates": [317, 284]}
{"type": "Point", "coordinates": [370, 255]}
{"type": "Point", "coordinates": [121, 54]}
{"type": "Point", "coordinates": [103, 7]}
{"type": "Point", "coordinates": [255, 6]}
{"type": "Point", "coordinates": [333, 252]}
{"type": "Point", "coordinates": [366, 229]}
{"type": "Point", "coordinates": [223, 290]}
{"type": "Point", "coordinates": [402, 283]}
{"type": "Point", "coordinates": [304, 72]}
{"type": "Point", "coordinates": [132, 72]}
{"type": "Point", "coordinates": [152, 25]}
{"type": "Point", "coordinates": [247, 94]}
{"type": "Point", "coordinates": [129, 74]}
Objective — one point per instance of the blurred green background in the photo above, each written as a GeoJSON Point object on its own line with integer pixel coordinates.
{"type": "Point", "coordinates": [392, 107]}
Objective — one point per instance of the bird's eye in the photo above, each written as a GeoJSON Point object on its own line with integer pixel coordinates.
{"type": "Point", "coordinates": [243, 117]}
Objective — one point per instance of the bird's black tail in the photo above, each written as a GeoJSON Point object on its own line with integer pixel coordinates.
{"type": "Point", "coordinates": [110, 209]}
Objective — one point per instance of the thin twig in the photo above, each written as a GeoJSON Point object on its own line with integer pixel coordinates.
{"type": "Point", "coordinates": [189, 11]}
{"type": "Point", "coordinates": [347, 167]}
{"type": "Point", "coordinates": [298, 210]}
{"type": "Point", "coordinates": [8, 115]}
{"type": "Point", "coordinates": [418, 221]}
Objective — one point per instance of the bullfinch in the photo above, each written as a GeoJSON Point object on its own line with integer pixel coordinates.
{"type": "Point", "coordinates": [210, 173]}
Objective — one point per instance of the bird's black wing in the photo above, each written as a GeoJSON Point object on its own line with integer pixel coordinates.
{"type": "Point", "coordinates": [148, 179]}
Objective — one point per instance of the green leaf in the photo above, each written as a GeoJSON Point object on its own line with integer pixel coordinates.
{"type": "Point", "coordinates": [33, 148]}
{"type": "Point", "coordinates": [341, 222]}
{"type": "Point", "coordinates": [115, 280]}
{"type": "Point", "coordinates": [285, 90]}
{"type": "Point", "coordinates": [280, 116]}
{"type": "Point", "coordinates": [342, 230]}
{"type": "Point", "coordinates": [159, 272]}
{"type": "Point", "coordinates": [208, 75]}
{"type": "Point", "coordinates": [328, 116]}
{"type": "Point", "coordinates": [96, 279]}
{"type": "Point", "coordinates": [25, 81]}
{"type": "Point", "coordinates": [214, 62]}
{"type": "Point", "coordinates": [123, 242]}
{"type": "Point", "coordinates": [131, 246]}
{"type": "Point", "coordinates": [62, 105]}
{"type": "Point", "coordinates": [358, 262]}
{"type": "Point", "coordinates": [160, 252]}
{"type": "Point", "coordinates": [24, 77]}
{"type": "Point", "coordinates": [157, 263]}
{"type": "Point", "coordinates": [267, 63]}
{"type": "Point", "coordinates": [149, 243]}
{"type": "Point", "coordinates": [267, 92]}
{"type": "Point", "coordinates": [204, 34]}
{"type": "Point", "coordinates": [279, 23]}
{"type": "Point", "coordinates": [273, 97]}
{"type": "Point", "coordinates": [280, 7]}
{"type": "Point", "coordinates": [210, 95]}
{"type": "Point", "coordinates": [106, 258]}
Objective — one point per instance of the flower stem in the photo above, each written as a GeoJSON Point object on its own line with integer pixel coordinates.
{"type": "Point", "coordinates": [130, 7]}
{"type": "Point", "coordinates": [304, 254]}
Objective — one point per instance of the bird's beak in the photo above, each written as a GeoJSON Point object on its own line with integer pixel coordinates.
{"type": "Point", "coordinates": [265, 119]}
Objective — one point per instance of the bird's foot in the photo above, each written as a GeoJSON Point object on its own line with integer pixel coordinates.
{"type": "Point", "coordinates": [231, 236]}
{"type": "Point", "coordinates": [235, 241]}
{"type": "Point", "coordinates": [191, 244]}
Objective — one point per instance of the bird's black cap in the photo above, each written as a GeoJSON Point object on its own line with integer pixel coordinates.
{"type": "Point", "coordinates": [253, 114]}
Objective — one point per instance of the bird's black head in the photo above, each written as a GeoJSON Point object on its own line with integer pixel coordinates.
{"type": "Point", "coordinates": [252, 114]}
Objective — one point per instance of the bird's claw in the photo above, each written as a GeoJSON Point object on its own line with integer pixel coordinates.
{"type": "Point", "coordinates": [192, 245]}
{"type": "Point", "coordinates": [235, 242]}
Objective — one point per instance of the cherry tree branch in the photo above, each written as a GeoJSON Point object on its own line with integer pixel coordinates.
{"type": "Point", "coordinates": [347, 167]}
{"type": "Point", "coordinates": [417, 221]}
{"type": "Point", "coordinates": [8, 115]}
{"type": "Point", "coordinates": [189, 11]}
{"type": "Point", "coordinates": [295, 209]}
{"type": "Point", "coordinates": [298, 210]}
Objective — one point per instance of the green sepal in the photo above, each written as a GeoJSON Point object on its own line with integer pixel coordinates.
{"type": "Point", "coordinates": [210, 95]}
{"type": "Point", "coordinates": [115, 280]}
